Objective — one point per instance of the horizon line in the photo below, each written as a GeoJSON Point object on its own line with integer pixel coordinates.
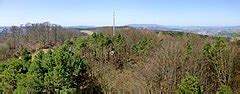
{"type": "Point", "coordinates": [125, 25]}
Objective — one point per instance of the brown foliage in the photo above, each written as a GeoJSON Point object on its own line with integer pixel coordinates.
{"type": "Point", "coordinates": [35, 36]}
{"type": "Point", "coordinates": [165, 64]}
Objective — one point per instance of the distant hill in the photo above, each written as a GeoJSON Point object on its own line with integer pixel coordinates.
{"type": "Point", "coordinates": [2, 27]}
{"type": "Point", "coordinates": [149, 26]}
{"type": "Point", "coordinates": [203, 30]}
{"type": "Point", "coordinates": [83, 27]}
{"type": "Point", "coordinates": [226, 31]}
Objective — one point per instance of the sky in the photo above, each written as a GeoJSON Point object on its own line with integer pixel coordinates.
{"type": "Point", "coordinates": [99, 12]}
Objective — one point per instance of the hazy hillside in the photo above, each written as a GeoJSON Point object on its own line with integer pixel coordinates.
{"type": "Point", "coordinates": [204, 30]}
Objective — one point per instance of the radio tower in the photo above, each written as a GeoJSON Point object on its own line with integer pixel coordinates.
{"type": "Point", "coordinates": [113, 23]}
{"type": "Point", "coordinates": [113, 32]}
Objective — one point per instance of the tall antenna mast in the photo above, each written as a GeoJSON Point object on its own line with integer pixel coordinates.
{"type": "Point", "coordinates": [113, 23]}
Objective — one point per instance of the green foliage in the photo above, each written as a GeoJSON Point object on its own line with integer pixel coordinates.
{"type": "Point", "coordinates": [64, 70]}
{"type": "Point", "coordinates": [223, 89]}
{"type": "Point", "coordinates": [25, 55]}
{"type": "Point", "coordinates": [81, 43]}
{"type": "Point", "coordinates": [21, 90]}
{"type": "Point", "coordinates": [173, 33]}
{"type": "Point", "coordinates": [189, 85]}
{"type": "Point", "coordinates": [99, 40]}
{"type": "Point", "coordinates": [4, 51]}
{"type": "Point", "coordinates": [103, 48]}
{"type": "Point", "coordinates": [189, 47]}
{"type": "Point", "coordinates": [142, 45]}
{"type": "Point", "coordinates": [94, 44]}
{"type": "Point", "coordinates": [213, 51]}
{"type": "Point", "coordinates": [47, 71]}
{"type": "Point", "coordinates": [68, 91]}
{"type": "Point", "coordinates": [189, 50]}
{"type": "Point", "coordinates": [4, 48]}
{"type": "Point", "coordinates": [3, 66]}
{"type": "Point", "coordinates": [12, 73]}
{"type": "Point", "coordinates": [119, 42]}
{"type": "Point", "coordinates": [214, 55]}
{"type": "Point", "coordinates": [217, 62]}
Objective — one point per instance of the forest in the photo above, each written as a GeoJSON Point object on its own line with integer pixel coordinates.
{"type": "Point", "coordinates": [132, 61]}
{"type": "Point", "coordinates": [33, 36]}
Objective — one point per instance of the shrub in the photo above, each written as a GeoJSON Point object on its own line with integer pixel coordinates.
{"type": "Point", "coordinates": [224, 89]}
{"type": "Point", "coordinates": [174, 33]}
{"type": "Point", "coordinates": [4, 50]}
{"type": "Point", "coordinates": [142, 45]}
{"type": "Point", "coordinates": [119, 42]}
{"type": "Point", "coordinates": [218, 60]}
{"type": "Point", "coordinates": [60, 69]}
{"type": "Point", "coordinates": [189, 85]}
{"type": "Point", "coordinates": [68, 91]}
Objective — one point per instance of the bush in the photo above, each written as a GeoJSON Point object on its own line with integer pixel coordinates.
{"type": "Point", "coordinates": [68, 91]}
{"type": "Point", "coordinates": [174, 33]}
{"type": "Point", "coordinates": [224, 89]}
{"type": "Point", "coordinates": [218, 64]}
{"type": "Point", "coordinates": [60, 69]}
{"type": "Point", "coordinates": [142, 45]}
{"type": "Point", "coordinates": [189, 85]}
{"type": "Point", "coordinates": [4, 50]}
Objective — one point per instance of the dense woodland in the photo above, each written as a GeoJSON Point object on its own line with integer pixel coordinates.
{"type": "Point", "coordinates": [132, 61]}
{"type": "Point", "coordinates": [33, 36]}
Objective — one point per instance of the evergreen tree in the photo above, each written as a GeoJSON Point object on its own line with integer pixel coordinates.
{"type": "Point", "coordinates": [189, 85]}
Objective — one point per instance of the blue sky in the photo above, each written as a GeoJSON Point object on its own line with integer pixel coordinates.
{"type": "Point", "coordinates": [99, 12]}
